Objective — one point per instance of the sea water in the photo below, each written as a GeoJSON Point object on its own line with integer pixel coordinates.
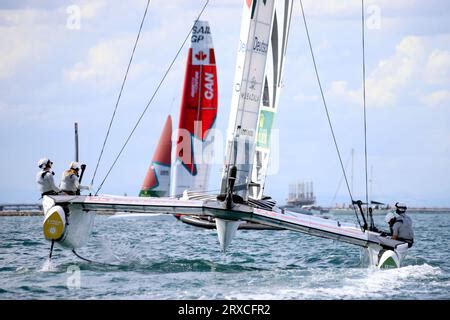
{"type": "Point", "coordinates": [143, 258]}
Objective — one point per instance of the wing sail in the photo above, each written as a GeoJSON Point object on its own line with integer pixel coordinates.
{"type": "Point", "coordinates": [197, 115]}
{"type": "Point", "coordinates": [248, 87]}
{"type": "Point", "coordinates": [270, 97]}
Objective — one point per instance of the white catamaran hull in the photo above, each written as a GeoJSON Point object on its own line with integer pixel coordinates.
{"type": "Point", "coordinates": [76, 227]}
{"type": "Point", "coordinates": [384, 259]}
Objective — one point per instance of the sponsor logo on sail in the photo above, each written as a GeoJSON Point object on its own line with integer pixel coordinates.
{"type": "Point", "coordinates": [242, 46]}
{"type": "Point", "coordinates": [244, 132]}
{"type": "Point", "coordinates": [201, 29]}
{"type": "Point", "coordinates": [209, 85]}
{"type": "Point", "coordinates": [250, 96]}
{"type": "Point", "coordinates": [260, 46]}
{"type": "Point", "coordinates": [253, 83]}
{"type": "Point", "coordinates": [194, 83]}
{"type": "Point", "coordinates": [199, 33]}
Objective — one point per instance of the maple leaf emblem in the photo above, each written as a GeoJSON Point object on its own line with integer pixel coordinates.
{"type": "Point", "coordinates": [201, 56]}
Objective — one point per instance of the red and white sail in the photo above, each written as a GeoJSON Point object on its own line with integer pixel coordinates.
{"type": "Point", "coordinates": [198, 112]}
{"type": "Point", "coordinates": [157, 180]}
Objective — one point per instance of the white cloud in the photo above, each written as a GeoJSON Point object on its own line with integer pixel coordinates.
{"type": "Point", "coordinates": [339, 90]}
{"type": "Point", "coordinates": [23, 37]}
{"type": "Point", "coordinates": [327, 7]}
{"type": "Point", "coordinates": [17, 46]}
{"type": "Point", "coordinates": [409, 9]}
{"type": "Point", "coordinates": [302, 98]}
{"type": "Point", "coordinates": [392, 74]}
{"type": "Point", "coordinates": [437, 68]}
{"type": "Point", "coordinates": [104, 63]}
{"type": "Point", "coordinates": [387, 81]}
{"type": "Point", "coordinates": [90, 9]}
{"type": "Point", "coordinates": [27, 33]}
{"type": "Point", "coordinates": [437, 98]}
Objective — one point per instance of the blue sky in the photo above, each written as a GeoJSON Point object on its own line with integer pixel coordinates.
{"type": "Point", "coordinates": [55, 70]}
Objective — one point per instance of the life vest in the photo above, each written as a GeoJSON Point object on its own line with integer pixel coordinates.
{"type": "Point", "coordinates": [45, 172]}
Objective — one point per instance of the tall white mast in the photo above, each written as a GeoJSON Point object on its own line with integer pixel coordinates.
{"type": "Point", "coordinates": [76, 142]}
{"type": "Point", "coordinates": [351, 178]}
{"type": "Point", "coordinates": [257, 18]}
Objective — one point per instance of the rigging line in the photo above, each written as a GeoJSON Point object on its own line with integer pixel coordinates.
{"type": "Point", "coordinates": [151, 100]}
{"type": "Point", "coordinates": [327, 113]}
{"type": "Point", "coordinates": [340, 181]}
{"type": "Point", "coordinates": [365, 116]}
{"type": "Point", "coordinates": [120, 93]}
{"type": "Point", "coordinates": [94, 262]}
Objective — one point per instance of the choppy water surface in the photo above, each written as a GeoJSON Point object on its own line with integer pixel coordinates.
{"type": "Point", "coordinates": [171, 260]}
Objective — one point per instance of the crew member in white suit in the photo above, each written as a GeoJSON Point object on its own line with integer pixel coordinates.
{"type": "Point", "coordinates": [70, 183]}
{"type": "Point", "coordinates": [44, 178]}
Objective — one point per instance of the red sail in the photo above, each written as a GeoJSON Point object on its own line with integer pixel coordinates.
{"type": "Point", "coordinates": [156, 182]}
{"type": "Point", "coordinates": [200, 96]}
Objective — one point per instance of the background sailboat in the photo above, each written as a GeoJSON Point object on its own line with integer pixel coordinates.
{"type": "Point", "coordinates": [157, 180]}
{"type": "Point", "coordinates": [198, 111]}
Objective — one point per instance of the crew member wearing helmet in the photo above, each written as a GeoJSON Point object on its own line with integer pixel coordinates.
{"type": "Point", "coordinates": [45, 178]}
{"type": "Point", "coordinates": [390, 219]}
{"type": "Point", "coordinates": [70, 183]}
{"type": "Point", "coordinates": [400, 224]}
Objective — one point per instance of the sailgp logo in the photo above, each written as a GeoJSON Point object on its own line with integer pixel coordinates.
{"type": "Point", "coordinates": [260, 46]}
{"type": "Point", "coordinates": [199, 33]}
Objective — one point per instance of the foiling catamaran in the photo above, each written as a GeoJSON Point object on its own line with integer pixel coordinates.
{"type": "Point", "coordinates": [263, 39]}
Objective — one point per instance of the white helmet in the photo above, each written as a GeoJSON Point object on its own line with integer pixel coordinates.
{"type": "Point", "coordinates": [391, 215]}
{"type": "Point", "coordinates": [44, 162]}
{"type": "Point", "coordinates": [400, 207]}
{"type": "Point", "coordinates": [74, 165]}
